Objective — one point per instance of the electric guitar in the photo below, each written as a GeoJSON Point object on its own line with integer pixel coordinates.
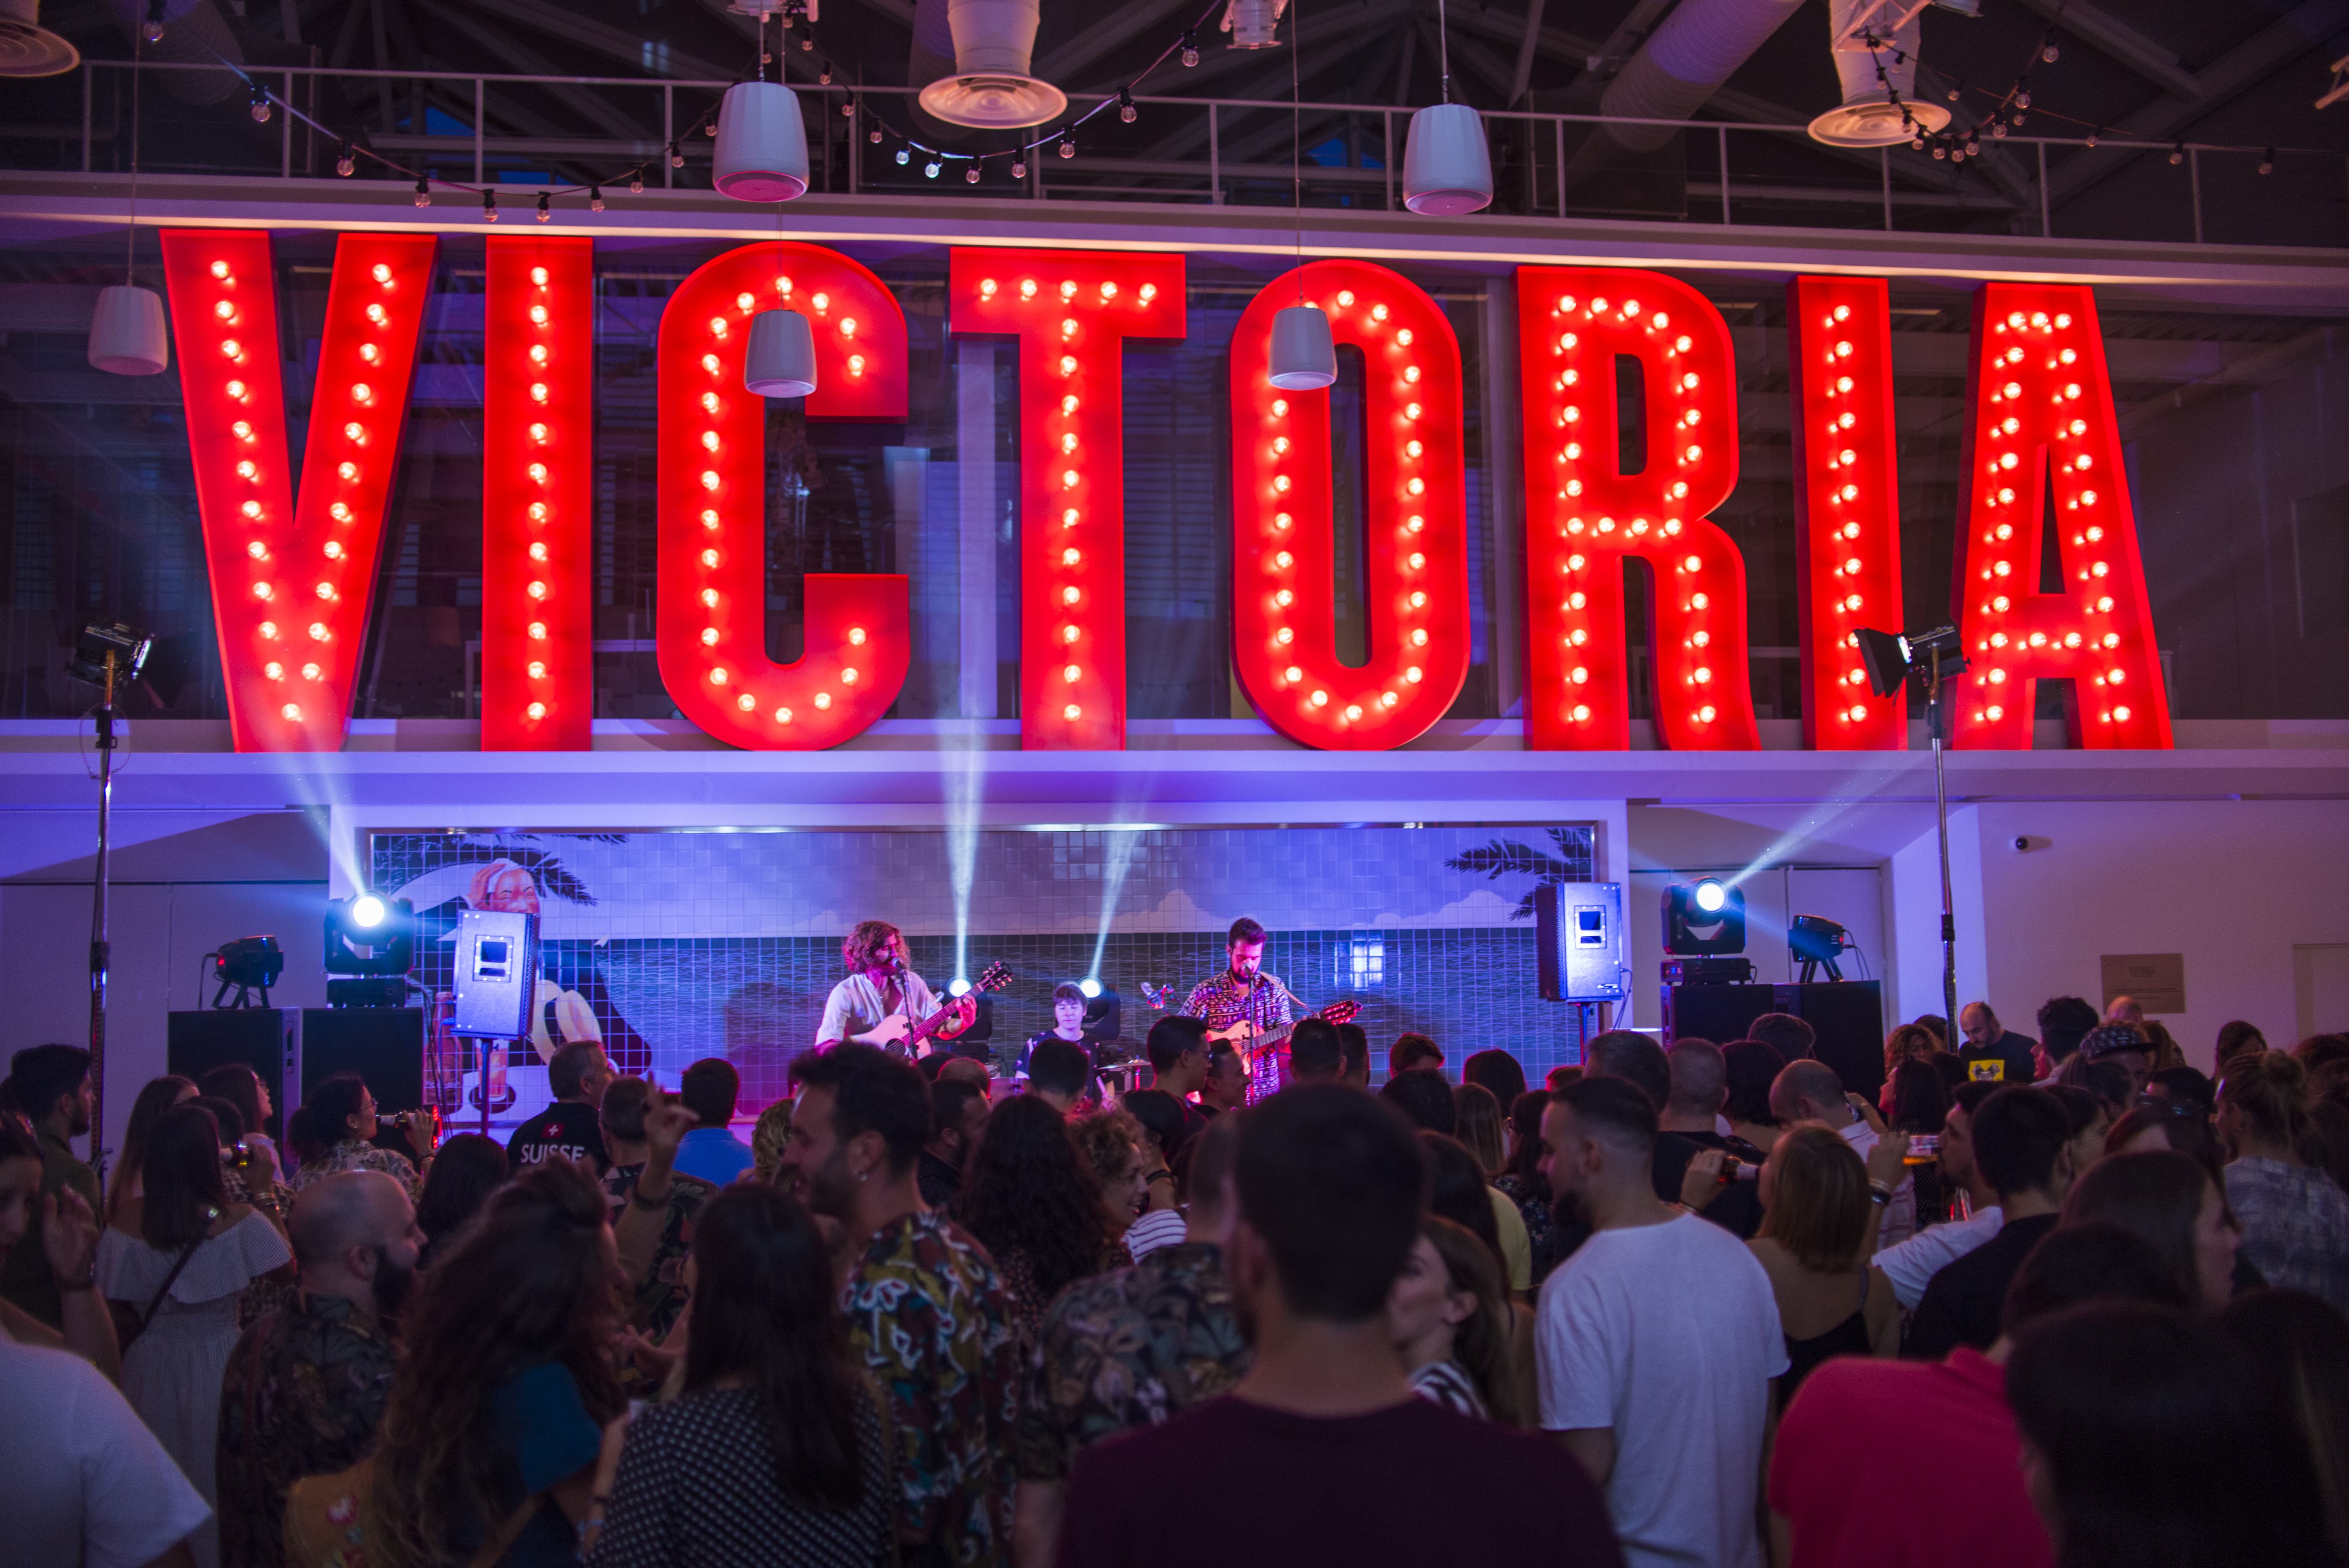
{"type": "Point", "coordinates": [900, 1036]}
{"type": "Point", "coordinates": [1253, 1044]}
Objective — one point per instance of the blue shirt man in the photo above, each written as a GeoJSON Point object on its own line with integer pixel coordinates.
{"type": "Point", "coordinates": [711, 1152]}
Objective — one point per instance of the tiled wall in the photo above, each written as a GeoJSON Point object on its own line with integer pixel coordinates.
{"type": "Point", "coordinates": [688, 945]}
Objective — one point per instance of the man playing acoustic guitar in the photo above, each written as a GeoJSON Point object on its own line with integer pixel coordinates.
{"type": "Point", "coordinates": [1244, 1003]}
{"type": "Point", "coordinates": [882, 999]}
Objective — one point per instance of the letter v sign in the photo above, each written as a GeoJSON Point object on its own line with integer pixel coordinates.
{"type": "Point", "coordinates": [292, 575]}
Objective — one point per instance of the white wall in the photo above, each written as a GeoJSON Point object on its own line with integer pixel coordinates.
{"type": "Point", "coordinates": [174, 897]}
{"type": "Point", "coordinates": [2234, 885]}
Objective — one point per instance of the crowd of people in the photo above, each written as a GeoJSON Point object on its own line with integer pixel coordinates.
{"type": "Point", "coordinates": [2064, 1301]}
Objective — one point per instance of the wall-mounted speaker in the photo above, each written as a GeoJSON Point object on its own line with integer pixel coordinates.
{"type": "Point", "coordinates": [1579, 932]}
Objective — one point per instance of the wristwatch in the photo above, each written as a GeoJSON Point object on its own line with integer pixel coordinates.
{"type": "Point", "coordinates": [1878, 1193]}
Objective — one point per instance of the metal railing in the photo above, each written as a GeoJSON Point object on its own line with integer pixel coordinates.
{"type": "Point", "coordinates": [1541, 159]}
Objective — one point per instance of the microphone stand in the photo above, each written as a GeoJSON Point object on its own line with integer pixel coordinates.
{"type": "Point", "coordinates": [99, 946]}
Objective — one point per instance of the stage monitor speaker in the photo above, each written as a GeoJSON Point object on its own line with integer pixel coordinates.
{"type": "Point", "coordinates": [266, 1039]}
{"type": "Point", "coordinates": [1848, 1017]}
{"type": "Point", "coordinates": [497, 975]}
{"type": "Point", "coordinates": [1578, 938]}
{"type": "Point", "coordinates": [384, 1046]}
{"type": "Point", "coordinates": [1716, 1013]}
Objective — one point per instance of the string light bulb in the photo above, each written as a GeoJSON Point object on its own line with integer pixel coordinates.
{"type": "Point", "coordinates": [1125, 109]}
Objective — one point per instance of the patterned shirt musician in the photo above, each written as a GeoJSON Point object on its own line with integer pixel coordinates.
{"type": "Point", "coordinates": [1128, 1350]}
{"type": "Point", "coordinates": [1223, 1001]}
{"type": "Point", "coordinates": [931, 1319]}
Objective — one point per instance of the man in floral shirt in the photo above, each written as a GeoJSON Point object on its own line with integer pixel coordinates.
{"type": "Point", "coordinates": [306, 1383]}
{"type": "Point", "coordinates": [661, 1288]}
{"type": "Point", "coordinates": [1130, 1349]}
{"type": "Point", "coordinates": [925, 1311]}
{"type": "Point", "coordinates": [1244, 992]}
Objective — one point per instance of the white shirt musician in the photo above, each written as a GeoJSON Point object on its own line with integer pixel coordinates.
{"type": "Point", "coordinates": [882, 999]}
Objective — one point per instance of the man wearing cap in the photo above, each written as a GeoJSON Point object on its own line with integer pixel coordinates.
{"type": "Point", "coordinates": [2123, 1045]}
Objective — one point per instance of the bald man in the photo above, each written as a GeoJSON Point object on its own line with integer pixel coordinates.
{"type": "Point", "coordinates": [306, 1383]}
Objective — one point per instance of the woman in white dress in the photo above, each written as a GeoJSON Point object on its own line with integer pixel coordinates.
{"type": "Point", "coordinates": [184, 1254]}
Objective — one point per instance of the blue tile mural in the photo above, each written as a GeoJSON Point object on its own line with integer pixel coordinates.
{"type": "Point", "coordinates": [686, 944]}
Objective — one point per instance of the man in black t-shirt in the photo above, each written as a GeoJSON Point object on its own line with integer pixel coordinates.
{"type": "Point", "coordinates": [1700, 1088]}
{"type": "Point", "coordinates": [1988, 1040]}
{"type": "Point", "coordinates": [578, 1075]}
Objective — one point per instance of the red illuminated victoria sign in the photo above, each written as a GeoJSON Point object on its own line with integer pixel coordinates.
{"type": "Point", "coordinates": [292, 570]}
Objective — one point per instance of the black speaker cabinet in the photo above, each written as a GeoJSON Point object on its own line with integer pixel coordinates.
{"type": "Point", "coordinates": [266, 1039]}
{"type": "Point", "coordinates": [384, 1046]}
{"type": "Point", "coordinates": [1847, 1015]}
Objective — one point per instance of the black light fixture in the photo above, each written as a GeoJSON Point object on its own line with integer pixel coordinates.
{"type": "Point", "coordinates": [1815, 940]}
{"type": "Point", "coordinates": [1704, 918]}
{"type": "Point", "coordinates": [1892, 660]}
{"type": "Point", "coordinates": [101, 641]}
{"type": "Point", "coordinates": [370, 934]}
{"type": "Point", "coordinates": [249, 964]}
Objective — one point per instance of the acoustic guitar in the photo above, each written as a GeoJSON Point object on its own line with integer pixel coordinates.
{"type": "Point", "coordinates": [901, 1036]}
{"type": "Point", "coordinates": [1255, 1045]}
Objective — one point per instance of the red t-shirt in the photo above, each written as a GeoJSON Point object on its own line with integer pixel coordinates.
{"type": "Point", "coordinates": [1904, 1464]}
{"type": "Point", "coordinates": [1235, 1485]}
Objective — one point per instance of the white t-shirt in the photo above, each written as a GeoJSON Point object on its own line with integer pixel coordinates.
{"type": "Point", "coordinates": [855, 1004]}
{"type": "Point", "coordinates": [1668, 1335]}
{"type": "Point", "coordinates": [1911, 1265]}
{"type": "Point", "coordinates": [82, 1481]}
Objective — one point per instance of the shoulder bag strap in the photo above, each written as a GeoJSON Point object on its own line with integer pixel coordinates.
{"type": "Point", "coordinates": [164, 1289]}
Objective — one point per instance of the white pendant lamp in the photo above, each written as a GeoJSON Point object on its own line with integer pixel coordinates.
{"type": "Point", "coordinates": [762, 152]}
{"type": "Point", "coordinates": [1303, 357]}
{"type": "Point", "coordinates": [127, 336]}
{"type": "Point", "coordinates": [990, 87]}
{"type": "Point", "coordinates": [1446, 167]}
{"type": "Point", "coordinates": [781, 362]}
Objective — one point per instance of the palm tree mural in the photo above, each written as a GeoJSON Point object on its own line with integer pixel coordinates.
{"type": "Point", "coordinates": [1506, 857]}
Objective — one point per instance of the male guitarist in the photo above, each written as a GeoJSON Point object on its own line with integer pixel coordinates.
{"type": "Point", "coordinates": [1243, 1001]}
{"type": "Point", "coordinates": [883, 999]}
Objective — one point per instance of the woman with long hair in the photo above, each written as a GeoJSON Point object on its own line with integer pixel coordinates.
{"type": "Point", "coordinates": [1499, 1072]}
{"type": "Point", "coordinates": [2156, 1126]}
{"type": "Point", "coordinates": [1111, 1144]}
{"type": "Point", "coordinates": [778, 1439]}
{"type": "Point", "coordinates": [467, 1169]}
{"type": "Point", "coordinates": [499, 1409]}
{"type": "Point", "coordinates": [1476, 1117]}
{"type": "Point", "coordinates": [1914, 1042]}
{"type": "Point", "coordinates": [1033, 1203]}
{"type": "Point", "coordinates": [1521, 1181]}
{"type": "Point", "coordinates": [242, 1087]}
{"type": "Point", "coordinates": [2171, 1201]}
{"type": "Point", "coordinates": [334, 1130]}
{"type": "Point", "coordinates": [179, 1258]}
{"type": "Point", "coordinates": [1458, 1192]}
{"type": "Point", "coordinates": [1449, 1314]}
{"type": "Point", "coordinates": [2150, 1441]}
{"type": "Point", "coordinates": [157, 1096]}
{"type": "Point", "coordinates": [2295, 1220]}
{"type": "Point", "coordinates": [2301, 1349]}
{"type": "Point", "coordinates": [1815, 1211]}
